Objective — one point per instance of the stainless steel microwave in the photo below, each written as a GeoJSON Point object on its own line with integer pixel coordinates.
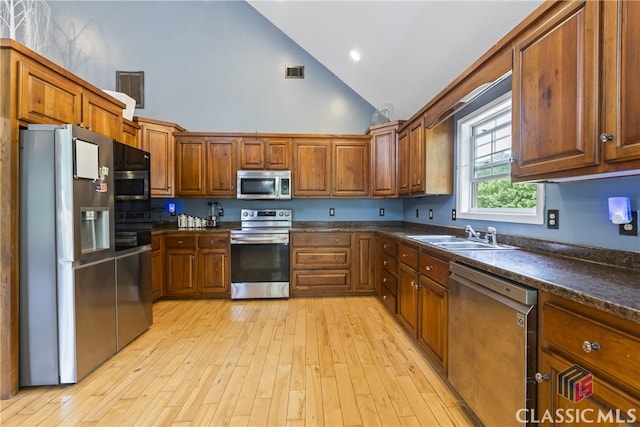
{"type": "Point", "coordinates": [264, 185]}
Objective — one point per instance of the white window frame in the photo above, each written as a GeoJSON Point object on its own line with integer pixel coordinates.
{"type": "Point", "coordinates": [464, 171]}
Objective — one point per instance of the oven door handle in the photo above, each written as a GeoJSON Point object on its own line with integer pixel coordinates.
{"type": "Point", "coordinates": [247, 240]}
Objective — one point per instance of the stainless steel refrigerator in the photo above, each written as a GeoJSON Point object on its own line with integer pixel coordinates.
{"type": "Point", "coordinates": [67, 261]}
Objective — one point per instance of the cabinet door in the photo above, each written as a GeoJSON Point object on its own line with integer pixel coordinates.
{"type": "Point", "coordinates": [190, 167]}
{"type": "Point", "coordinates": [312, 168]}
{"type": "Point", "coordinates": [278, 154]}
{"type": "Point", "coordinates": [181, 272]}
{"type": "Point", "coordinates": [364, 263]}
{"type": "Point", "coordinates": [408, 298]}
{"type": "Point", "coordinates": [45, 98]}
{"type": "Point", "coordinates": [555, 92]}
{"type": "Point", "coordinates": [606, 400]}
{"type": "Point", "coordinates": [621, 88]}
{"type": "Point", "coordinates": [417, 166]}
{"type": "Point", "coordinates": [101, 116]}
{"type": "Point", "coordinates": [213, 271]}
{"type": "Point", "coordinates": [251, 153]}
{"type": "Point", "coordinates": [221, 167]}
{"type": "Point", "coordinates": [439, 158]}
{"type": "Point", "coordinates": [383, 164]}
{"type": "Point", "coordinates": [403, 163]}
{"type": "Point", "coordinates": [432, 332]}
{"type": "Point", "coordinates": [350, 168]}
{"type": "Point", "coordinates": [157, 267]}
{"type": "Point", "coordinates": [159, 142]}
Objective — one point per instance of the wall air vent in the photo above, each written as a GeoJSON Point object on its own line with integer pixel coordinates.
{"type": "Point", "coordinates": [294, 72]}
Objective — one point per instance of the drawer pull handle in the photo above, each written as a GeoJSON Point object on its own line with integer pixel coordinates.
{"type": "Point", "coordinates": [541, 377]}
{"type": "Point", "coordinates": [384, 297]}
{"type": "Point", "coordinates": [588, 346]}
{"type": "Point", "coordinates": [180, 242]}
{"type": "Point", "coordinates": [384, 262]}
{"type": "Point", "coordinates": [384, 280]}
{"type": "Point", "coordinates": [428, 267]}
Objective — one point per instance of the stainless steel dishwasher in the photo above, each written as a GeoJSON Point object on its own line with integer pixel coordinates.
{"type": "Point", "coordinates": [492, 344]}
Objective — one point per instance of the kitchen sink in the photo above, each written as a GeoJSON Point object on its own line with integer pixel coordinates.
{"type": "Point", "coordinates": [454, 243]}
{"type": "Point", "coordinates": [428, 238]}
{"type": "Point", "coordinates": [466, 245]}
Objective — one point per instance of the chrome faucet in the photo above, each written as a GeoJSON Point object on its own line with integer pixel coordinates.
{"type": "Point", "coordinates": [474, 235]}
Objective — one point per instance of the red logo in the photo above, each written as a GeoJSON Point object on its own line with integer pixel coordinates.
{"type": "Point", "coordinates": [575, 383]}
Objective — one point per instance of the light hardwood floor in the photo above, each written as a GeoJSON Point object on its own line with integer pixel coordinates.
{"type": "Point", "coordinates": [297, 362]}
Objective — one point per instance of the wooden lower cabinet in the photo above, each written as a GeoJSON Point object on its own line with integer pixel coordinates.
{"type": "Point", "coordinates": [433, 312]}
{"type": "Point", "coordinates": [605, 352]}
{"type": "Point", "coordinates": [332, 263]}
{"type": "Point", "coordinates": [197, 265]}
{"type": "Point", "coordinates": [388, 273]}
{"type": "Point", "coordinates": [157, 266]}
{"type": "Point", "coordinates": [408, 286]}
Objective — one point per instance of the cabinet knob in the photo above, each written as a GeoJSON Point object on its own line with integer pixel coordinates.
{"type": "Point", "coordinates": [541, 377]}
{"type": "Point", "coordinates": [605, 137]}
{"type": "Point", "coordinates": [179, 242]}
{"type": "Point", "coordinates": [588, 346]}
{"type": "Point", "coordinates": [404, 255]}
{"type": "Point", "coordinates": [384, 280]}
{"type": "Point", "coordinates": [384, 297]}
{"type": "Point", "coordinates": [384, 262]}
{"type": "Point", "coordinates": [428, 267]}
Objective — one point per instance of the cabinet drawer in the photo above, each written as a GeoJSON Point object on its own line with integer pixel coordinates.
{"type": "Point", "coordinates": [391, 282]}
{"type": "Point", "coordinates": [334, 280]}
{"type": "Point", "coordinates": [321, 239]}
{"type": "Point", "coordinates": [213, 240]}
{"type": "Point", "coordinates": [618, 354]}
{"type": "Point", "coordinates": [390, 264]}
{"type": "Point", "coordinates": [408, 255]}
{"type": "Point", "coordinates": [388, 299]}
{"type": "Point", "coordinates": [180, 241]}
{"type": "Point", "coordinates": [434, 268]}
{"type": "Point", "coordinates": [156, 243]}
{"type": "Point", "coordinates": [305, 258]}
{"type": "Point", "coordinates": [389, 247]}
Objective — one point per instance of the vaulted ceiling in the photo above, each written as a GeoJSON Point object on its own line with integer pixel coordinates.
{"type": "Point", "coordinates": [410, 50]}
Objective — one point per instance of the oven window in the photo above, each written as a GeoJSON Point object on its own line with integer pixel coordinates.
{"type": "Point", "coordinates": [259, 263]}
{"type": "Point", "coordinates": [258, 186]}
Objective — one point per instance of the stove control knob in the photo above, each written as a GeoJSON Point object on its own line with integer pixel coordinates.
{"type": "Point", "coordinates": [281, 213]}
{"type": "Point", "coordinates": [245, 213]}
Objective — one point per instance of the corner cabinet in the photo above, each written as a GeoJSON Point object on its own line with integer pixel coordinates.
{"type": "Point", "coordinates": [603, 351]}
{"type": "Point", "coordinates": [425, 158]}
{"type": "Point", "coordinates": [384, 155]}
{"type": "Point", "coordinates": [576, 92]}
{"type": "Point", "coordinates": [157, 137]}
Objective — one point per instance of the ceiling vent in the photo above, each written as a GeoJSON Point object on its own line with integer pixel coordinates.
{"type": "Point", "coordinates": [294, 72]}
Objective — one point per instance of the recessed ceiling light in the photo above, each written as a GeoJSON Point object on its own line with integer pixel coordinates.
{"type": "Point", "coordinates": [355, 55]}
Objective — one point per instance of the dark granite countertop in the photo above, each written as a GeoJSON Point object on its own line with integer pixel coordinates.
{"type": "Point", "coordinates": [604, 279]}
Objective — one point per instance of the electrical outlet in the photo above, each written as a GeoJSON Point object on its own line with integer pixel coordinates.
{"type": "Point", "coordinates": [453, 214]}
{"type": "Point", "coordinates": [381, 211]}
{"type": "Point", "coordinates": [430, 213]}
{"type": "Point", "coordinates": [417, 213]}
{"type": "Point", "coordinates": [630, 229]}
{"type": "Point", "coordinates": [332, 211]}
{"type": "Point", "coordinates": [553, 219]}
{"type": "Point", "coordinates": [220, 212]}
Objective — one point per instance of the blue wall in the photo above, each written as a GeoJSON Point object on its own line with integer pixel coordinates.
{"type": "Point", "coordinates": [303, 209]}
{"type": "Point", "coordinates": [218, 66]}
{"type": "Point", "coordinates": [209, 66]}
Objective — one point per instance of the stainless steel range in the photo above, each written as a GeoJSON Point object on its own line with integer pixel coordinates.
{"type": "Point", "coordinates": [260, 254]}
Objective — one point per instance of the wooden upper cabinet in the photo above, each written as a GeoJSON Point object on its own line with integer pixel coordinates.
{"type": "Point", "coordinates": [404, 157]}
{"type": "Point", "coordinates": [221, 167]}
{"type": "Point", "coordinates": [555, 92]}
{"type": "Point", "coordinates": [384, 142]}
{"type": "Point", "coordinates": [190, 167]}
{"type": "Point", "coordinates": [439, 158]}
{"type": "Point", "coordinates": [101, 116]}
{"type": "Point", "coordinates": [621, 83]}
{"type": "Point", "coordinates": [157, 138]}
{"type": "Point", "coordinates": [264, 153]}
{"type": "Point", "coordinates": [311, 167]}
{"type": "Point", "coordinates": [130, 133]}
{"type": "Point", "coordinates": [351, 167]}
{"type": "Point", "coordinates": [416, 157]}
{"type": "Point", "coordinates": [44, 97]}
